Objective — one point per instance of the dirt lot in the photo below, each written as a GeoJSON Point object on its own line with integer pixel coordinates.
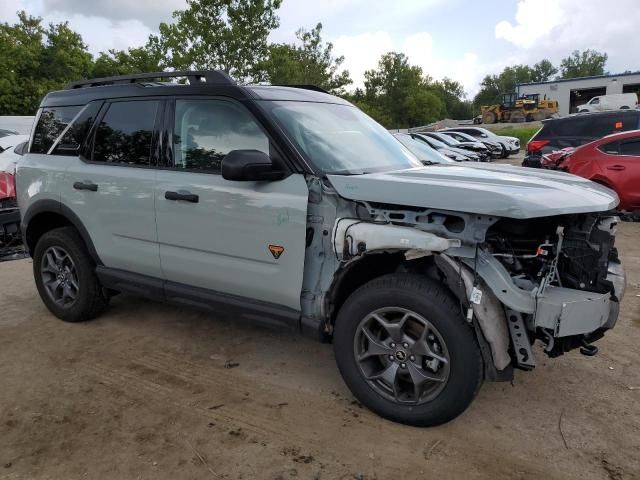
{"type": "Point", "coordinates": [146, 392]}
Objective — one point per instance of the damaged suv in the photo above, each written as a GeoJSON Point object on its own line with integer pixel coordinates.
{"type": "Point", "coordinates": [290, 206]}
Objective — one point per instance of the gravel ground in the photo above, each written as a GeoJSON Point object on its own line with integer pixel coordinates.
{"type": "Point", "coordinates": [154, 391]}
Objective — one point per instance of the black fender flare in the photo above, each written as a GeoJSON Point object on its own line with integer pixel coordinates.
{"type": "Point", "coordinates": [58, 208]}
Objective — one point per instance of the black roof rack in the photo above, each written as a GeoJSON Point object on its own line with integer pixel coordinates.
{"type": "Point", "coordinates": [217, 77]}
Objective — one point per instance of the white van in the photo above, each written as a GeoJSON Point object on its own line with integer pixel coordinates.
{"type": "Point", "coordinates": [610, 102]}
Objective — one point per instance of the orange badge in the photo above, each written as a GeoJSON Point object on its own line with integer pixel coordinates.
{"type": "Point", "coordinates": [276, 251]}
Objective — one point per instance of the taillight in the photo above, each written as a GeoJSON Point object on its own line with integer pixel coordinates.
{"type": "Point", "coordinates": [535, 145]}
{"type": "Point", "coordinates": [7, 186]}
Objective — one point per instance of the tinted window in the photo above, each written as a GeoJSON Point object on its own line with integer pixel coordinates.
{"type": "Point", "coordinates": [593, 126]}
{"type": "Point", "coordinates": [206, 130]}
{"type": "Point", "coordinates": [75, 135]}
{"type": "Point", "coordinates": [610, 148]}
{"type": "Point", "coordinates": [630, 147]}
{"type": "Point", "coordinates": [125, 132]}
{"type": "Point", "coordinates": [50, 125]}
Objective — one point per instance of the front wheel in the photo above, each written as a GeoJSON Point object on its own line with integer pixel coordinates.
{"type": "Point", "coordinates": [405, 351]}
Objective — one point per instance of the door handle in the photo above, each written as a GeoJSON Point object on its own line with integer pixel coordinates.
{"type": "Point", "coordinates": [617, 168]}
{"type": "Point", "coordinates": [186, 196]}
{"type": "Point", "coordinates": [86, 185]}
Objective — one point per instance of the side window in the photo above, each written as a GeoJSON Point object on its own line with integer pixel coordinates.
{"type": "Point", "coordinates": [206, 130]}
{"type": "Point", "coordinates": [611, 148]}
{"type": "Point", "coordinates": [51, 123]}
{"type": "Point", "coordinates": [125, 132]}
{"type": "Point", "coordinates": [595, 101]}
{"type": "Point", "coordinates": [630, 147]}
{"type": "Point", "coordinates": [77, 131]}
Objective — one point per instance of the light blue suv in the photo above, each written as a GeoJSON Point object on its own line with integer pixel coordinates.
{"type": "Point", "coordinates": [290, 206]}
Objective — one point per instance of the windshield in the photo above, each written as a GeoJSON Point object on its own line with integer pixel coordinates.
{"type": "Point", "coordinates": [451, 142]}
{"type": "Point", "coordinates": [465, 136]}
{"type": "Point", "coordinates": [340, 139]}
{"type": "Point", "coordinates": [421, 150]}
{"type": "Point", "coordinates": [431, 141]}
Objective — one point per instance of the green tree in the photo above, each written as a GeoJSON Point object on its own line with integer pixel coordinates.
{"type": "Point", "coordinates": [454, 98]}
{"type": "Point", "coordinates": [583, 64]}
{"type": "Point", "coordinates": [122, 62]}
{"type": "Point", "coordinates": [229, 35]}
{"type": "Point", "coordinates": [310, 62]}
{"type": "Point", "coordinates": [399, 95]}
{"type": "Point", "coordinates": [37, 60]}
{"type": "Point", "coordinates": [543, 71]}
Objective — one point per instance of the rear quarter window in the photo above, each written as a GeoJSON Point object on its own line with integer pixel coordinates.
{"type": "Point", "coordinates": [51, 123]}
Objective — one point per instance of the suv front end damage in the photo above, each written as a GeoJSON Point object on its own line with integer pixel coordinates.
{"type": "Point", "coordinates": [556, 278]}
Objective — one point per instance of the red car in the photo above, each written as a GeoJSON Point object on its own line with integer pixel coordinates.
{"type": "Point", "coordinates": [613, 161]}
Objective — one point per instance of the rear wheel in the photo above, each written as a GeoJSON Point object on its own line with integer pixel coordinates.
{"type": "Point", "coordinates": [65, 276]}
{"type": "Point", "coordinates": [405, 352]}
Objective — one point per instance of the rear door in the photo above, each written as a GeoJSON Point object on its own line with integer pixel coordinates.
{"type": "Point", "coordinates": [111, 185]}
{"type": "Point", "coordinates": [621, 167]}
{"type": "Point", "coordinates": [241, 238]}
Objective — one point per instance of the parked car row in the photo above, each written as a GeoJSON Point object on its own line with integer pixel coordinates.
{"type": "Point", "coordinates": [603, 147]}
{"type": "Point", "coordinates": [575, 130]}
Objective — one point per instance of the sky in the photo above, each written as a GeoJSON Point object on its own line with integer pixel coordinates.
{"type": "Point", "coordinates": [460, 39]}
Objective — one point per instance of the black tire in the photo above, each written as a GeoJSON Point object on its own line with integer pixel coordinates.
{"type": "Point", "coordinates": [505, 153]}
{"type": "Point", "coordinates": [433, 302]}
{"type": "Point", "coordinates": [90, 299]}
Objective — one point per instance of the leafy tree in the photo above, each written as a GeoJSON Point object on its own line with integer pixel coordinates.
{"type": "Point", "coordinates": [542, 71]}
{"type": "Point", "coordinates": [453, 96]}
{"type": "Point", "coordinates": [583, 64]}
{"type": "Point", "coordinates": [37, 60]}
{"type": "Point", "coordinates": [399, 95]}
{"type": "Point", "coordinates": [121, 62]}
{"type": "Point", "coordinates": [229, 35]}
{"type": "Point", "coordinates": [311, 62]}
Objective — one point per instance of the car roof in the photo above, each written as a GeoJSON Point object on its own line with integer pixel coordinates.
{"type": "Point", "coordinates": [203, 83]}
{"type": "Point", "coordinates": [573, 116]}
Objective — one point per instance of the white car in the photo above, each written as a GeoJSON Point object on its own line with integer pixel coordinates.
{"type": "Point", "coordinates": [618, 101]}
{"type": "Point", "coordinates": [12, 147]}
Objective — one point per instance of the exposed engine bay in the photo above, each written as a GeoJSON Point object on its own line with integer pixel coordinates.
{"type": "Point", "coordinates": [572, 251]}
{"type": "Point", "coordinates": [556, 279]}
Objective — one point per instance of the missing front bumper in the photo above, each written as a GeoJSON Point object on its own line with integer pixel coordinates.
{"type": "Point", "coordinates": [565, 312]}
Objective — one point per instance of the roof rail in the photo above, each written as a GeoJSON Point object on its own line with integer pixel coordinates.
{"type": "Point", "coordinates": [204, 76]}
{"type": "Point", "coordinates": [303, 86]}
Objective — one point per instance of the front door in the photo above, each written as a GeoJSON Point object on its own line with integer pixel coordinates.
{"type": "Point", "coordinates": [241, 238]}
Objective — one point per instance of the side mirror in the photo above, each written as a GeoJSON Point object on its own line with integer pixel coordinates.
{"type": "Point", "coordinates": [249, 165]}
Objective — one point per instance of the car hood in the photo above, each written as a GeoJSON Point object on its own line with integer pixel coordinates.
{"type": "Point", "coordinates": [500, 190]}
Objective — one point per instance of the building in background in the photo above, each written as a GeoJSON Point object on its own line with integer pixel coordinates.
{"type": "Point", "coordinates": [577, 91]}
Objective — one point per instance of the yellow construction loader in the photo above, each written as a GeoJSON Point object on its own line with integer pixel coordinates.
{"type": "Point", "coordinates": [513, 109]}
